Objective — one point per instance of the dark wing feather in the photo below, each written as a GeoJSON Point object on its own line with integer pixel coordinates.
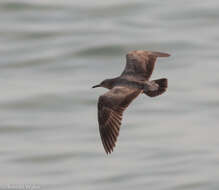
{"type": "Point", "coordinates": [110, 110]}
{"type": "Point", "coordinates": [140, 64]}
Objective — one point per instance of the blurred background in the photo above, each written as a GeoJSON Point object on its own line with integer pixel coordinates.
{"type": "Point", "coordinates": [52, 52]}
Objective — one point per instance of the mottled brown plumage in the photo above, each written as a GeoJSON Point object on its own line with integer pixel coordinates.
{"type": "Point", "coordinates": [123, 90]}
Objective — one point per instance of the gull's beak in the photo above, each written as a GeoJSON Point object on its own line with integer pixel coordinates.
{"type": "Point", "coordinates": [96, 86]}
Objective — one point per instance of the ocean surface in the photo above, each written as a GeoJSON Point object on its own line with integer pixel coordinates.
{"type": "Point", "coordinates": [51, 54]}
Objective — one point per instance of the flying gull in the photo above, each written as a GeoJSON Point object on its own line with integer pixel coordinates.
{"type": "Point", "coordinates": [123, 90]}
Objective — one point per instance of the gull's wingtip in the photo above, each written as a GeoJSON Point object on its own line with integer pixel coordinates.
{"type": "Point", "coordinates": [145, 52]}
{"type": "Point", "coordinates": [159, 54]}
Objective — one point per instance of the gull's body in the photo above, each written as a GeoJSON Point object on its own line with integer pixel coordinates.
{"type": "Point", "coordinates": [123, 90]}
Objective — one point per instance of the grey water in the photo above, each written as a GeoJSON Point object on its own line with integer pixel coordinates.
{"type": "Point", "coordinates": [52, 52]}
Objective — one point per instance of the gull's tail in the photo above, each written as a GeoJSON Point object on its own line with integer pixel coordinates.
{"type": "Point", "coordinates": [155, 87]}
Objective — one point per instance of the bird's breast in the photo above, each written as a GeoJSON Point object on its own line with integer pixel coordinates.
{"type": "Point", "coordinates": [130, 84]}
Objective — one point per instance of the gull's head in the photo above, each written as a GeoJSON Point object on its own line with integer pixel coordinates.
{"type": "Point", "coordinates": [108, 83]}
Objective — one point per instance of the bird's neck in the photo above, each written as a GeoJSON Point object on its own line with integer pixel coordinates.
{"type": "Point", "coordinates": [112, 82]}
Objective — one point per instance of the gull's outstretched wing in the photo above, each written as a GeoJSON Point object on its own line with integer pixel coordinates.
{"type": "Point", "coordinates": [140, 64]}
{"type": "Point", "coordinates": [110, 109]}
